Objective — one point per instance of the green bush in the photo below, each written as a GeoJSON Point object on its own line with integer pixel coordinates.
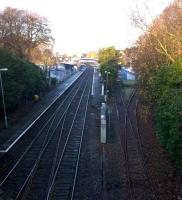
{"type": "Point", "coordinates": [167, 94]}
{"type": "Point", "coordinates": [109, 58]}
{"type": "Point", "coordinates": [112, 69]}
{"type": "Point", "coordinates": [22, 80]}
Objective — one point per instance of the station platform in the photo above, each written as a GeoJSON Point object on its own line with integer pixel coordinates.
{"type": "Point", "coordinates": [9, 137]}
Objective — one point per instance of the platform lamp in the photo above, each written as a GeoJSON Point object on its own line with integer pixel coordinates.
{"type": "Point", "coordinates": [2, 92]}
{"type": "Point", "coordinates": [107, 73]}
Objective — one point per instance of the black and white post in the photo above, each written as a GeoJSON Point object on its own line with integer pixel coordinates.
{"type": "Point", "coordinates": [2, 92]}
{"type": "Point", "coordinates": [106, 93]}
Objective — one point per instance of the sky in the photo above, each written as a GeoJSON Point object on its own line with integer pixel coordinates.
{"type": "Point", "coordinates": [80, 26]}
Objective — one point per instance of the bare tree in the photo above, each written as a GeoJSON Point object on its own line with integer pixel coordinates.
{"type": "Point", "coordinates": [161, 42]}
{"type": "Point", "coordinates": [22, 31]}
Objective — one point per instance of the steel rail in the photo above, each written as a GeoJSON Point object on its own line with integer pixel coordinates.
{"type": "Point", "coordinates": [40, 115]}
{"type": "Point", "coordinates": [124, 146]}
{"type": "Point", "coordinates": [77, 165]}
{"type": "Point", "coordinates": [124, 150]}
{"type": "Point", "coordinates": [34, 170]}
{"type": "Point", "coordinates": [35, 139]}
{"type": "Point", "coordinates": [56, 154]}
{"type": "Point", "coordinates": [51, 186]}
{"type": "Point", "coordinates": [66, 143]}
{"type": "Point", "coordinates": [27, 183]}
{"type": "Point", "coordinates": [138, 142]}
{"type": "Point", "coordinates": [52, 118]}
{"type": "Point", "coordinates": [55, 160]}
{"type": "Point", "coordinates": [131, 193]}
{"type": "Point", "coordinates": [156, 195]}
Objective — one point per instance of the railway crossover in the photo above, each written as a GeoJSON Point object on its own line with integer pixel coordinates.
{"type": "Point", "coordinates": [44, 164]}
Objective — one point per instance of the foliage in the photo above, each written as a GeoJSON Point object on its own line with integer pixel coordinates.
{"type": "Point", "coordinates": [48, 57]}
{"type": "Point", "coordinates": [167, 94]}
{"type": "Point", "coordinates": [109, 58]}
{"type": "Point", "coordinates": [21, 81]}
{"type": "Point", "coordinates": [109, 54]}
{"type": "Point", "coordinates": [22, 31]}
{"type": "Point", "coordinates": [156, 58]}
{"type": "Point", "coordinates": [112, 69]}
{"type": "Point", "coordinates": [161, 44]}
{"type": "Point", "coordinates": [92, 54]}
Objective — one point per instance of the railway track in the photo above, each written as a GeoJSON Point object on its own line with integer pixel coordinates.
{"type": "Point", "coordinates": [53, 152]}
{"type": "Point", "coordinates": [64, 179]}
{"type": "Point", "coordinates": [39, 126]}
{"type": "Point", "coordinates": [136, 180]}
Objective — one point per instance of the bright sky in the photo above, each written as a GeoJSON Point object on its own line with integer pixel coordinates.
{"type": "Point", "coordinates": [87, 25]}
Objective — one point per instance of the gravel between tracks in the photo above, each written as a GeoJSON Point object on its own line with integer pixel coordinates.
{"type": "Point", "coordinates": [101, 167]}
{"type": "Point", "coordinates": [89, 181]}
{"type": "Point", "coordinates": [95, 182]}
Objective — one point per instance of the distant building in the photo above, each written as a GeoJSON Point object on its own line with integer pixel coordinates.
{"type": "Point", "coordinates": [58, 74]}
{"type": "Point", "coordinates": [126, 74]}
{"type": "Point", "coordinates": [62, 71]}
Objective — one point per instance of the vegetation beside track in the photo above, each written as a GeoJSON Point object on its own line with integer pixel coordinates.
{"type": "Point", "coordinates": [22, 80]}
{"type": "Point", "coordinates": [167, 95]}
{"type": "Point", "coordinates": [109, 58]}
{"type": "Point", "coordinates": [156, 59]}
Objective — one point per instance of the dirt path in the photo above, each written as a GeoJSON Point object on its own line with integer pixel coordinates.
{"type": "Point", "coordinates": [164, 174]}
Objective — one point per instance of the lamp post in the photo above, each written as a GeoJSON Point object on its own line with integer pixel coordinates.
{"type": "Point", "coordinates": [106, 81]}
{"type": "Point", "coordinates": [2, 92]}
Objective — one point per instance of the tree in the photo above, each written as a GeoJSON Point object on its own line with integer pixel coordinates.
{"type": "Point", "coordinates": [109, 54]}
{"type": "Point", "coordinates": [22, 31]}
{"type": "Point", "coordinates": [109, 58]}
{"type": "Point", "coordinates": [160, 44]}
{"type": "Point", "coordinates": [156, 57]}
{"type": "Point", "coordinates": [48, 57]}
{"type": "Point", "coordinates": [36, 55]}
{"type": "Point", "coordinates": [92, 54]}
{"type": "Point", "coordinates": [22, 80]}
{"type": "Point", "coordinates": [166, 92]}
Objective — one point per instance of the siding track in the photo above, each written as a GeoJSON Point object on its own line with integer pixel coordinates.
{"type": "Point", "coordinates": [136, 178]}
